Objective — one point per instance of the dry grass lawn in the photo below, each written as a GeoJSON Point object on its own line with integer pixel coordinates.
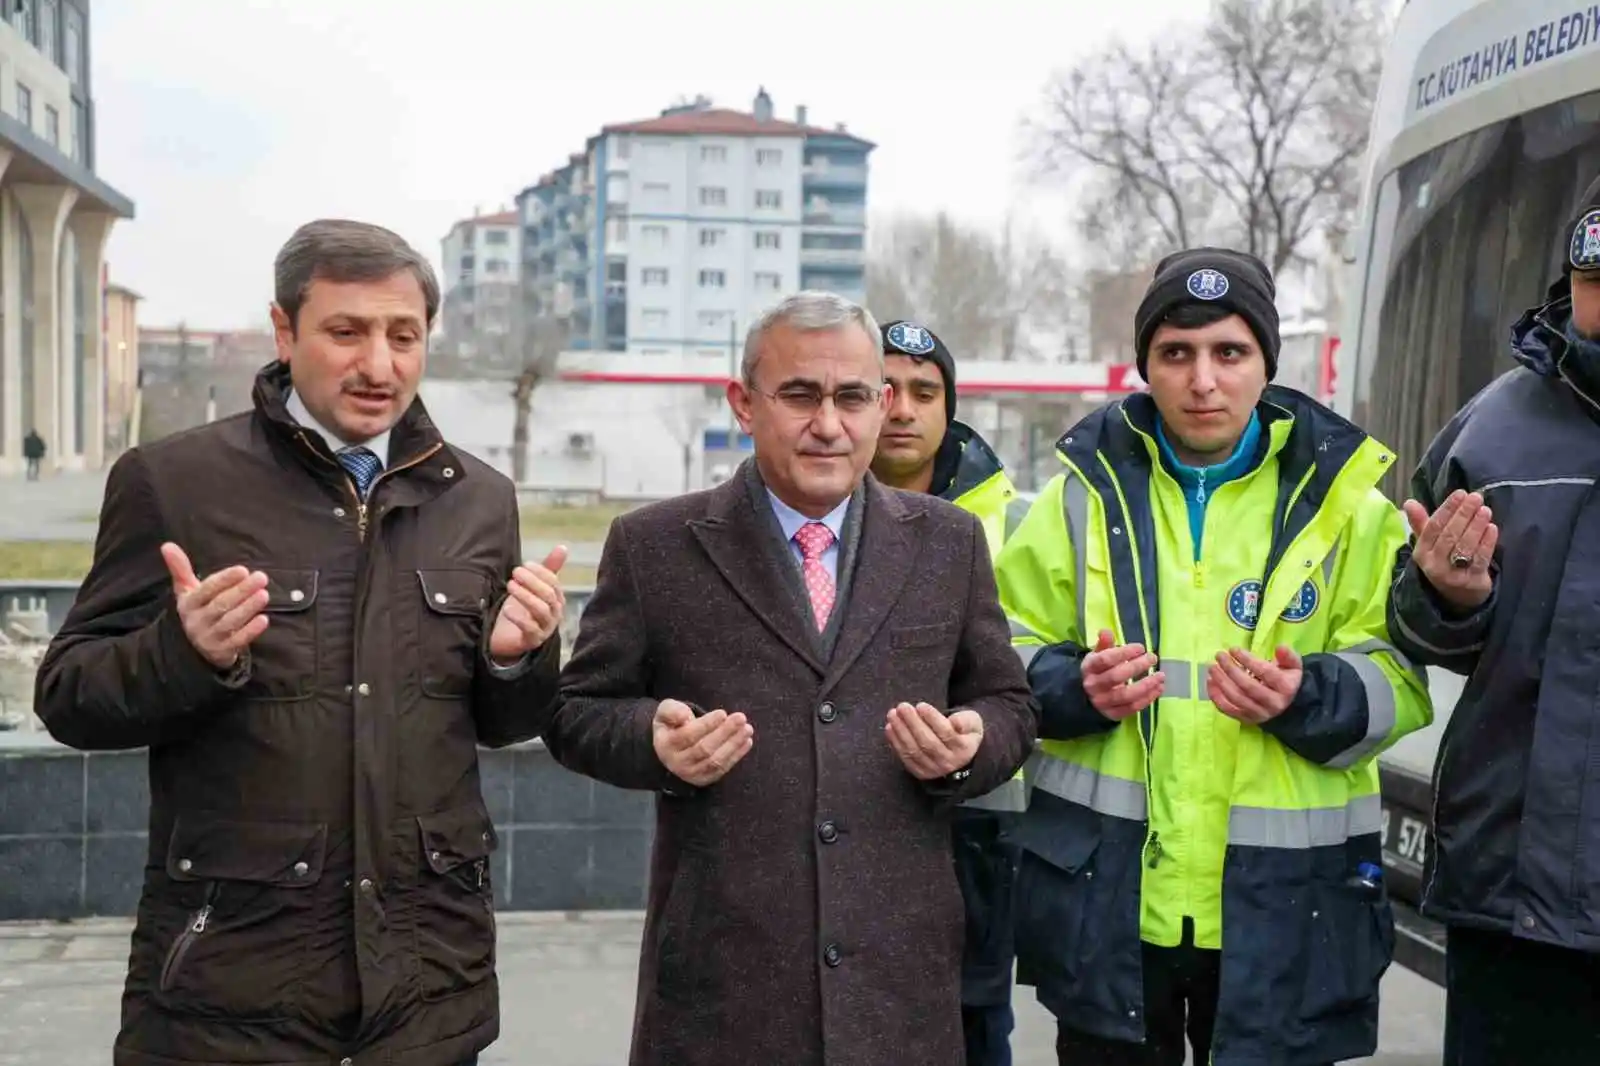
{"type": "Point", "coordinates": [542, 522]}
{"type": "Point", "coordinates": [68, 560]}
{"type": "Point", "coordinates": [51, 560]}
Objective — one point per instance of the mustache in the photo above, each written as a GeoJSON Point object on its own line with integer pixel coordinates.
{"type": "Point", "coordinates": [363, 385]}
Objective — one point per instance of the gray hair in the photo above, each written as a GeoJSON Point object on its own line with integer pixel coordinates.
{"type": "Point", "coordinates": [808, 310]}
{"type": "Point", "coordinates": [340, 250]}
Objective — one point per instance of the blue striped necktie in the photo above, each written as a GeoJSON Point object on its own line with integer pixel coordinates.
{"type": "Point", "coordinates": [362, 465]}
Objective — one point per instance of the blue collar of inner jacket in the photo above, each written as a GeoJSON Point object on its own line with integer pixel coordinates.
{"type": "Point", "coordinates": [1244, 454]}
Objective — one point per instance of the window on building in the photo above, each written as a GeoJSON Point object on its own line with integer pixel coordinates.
{"type": "Point", "coordinates": [621, 147]}
{"type": "Point", "coordinates": [653, 276]}
{"type": "Point", "coordinates": [711, 238]}
{"type": "Point", "coordinates": [80, 133]}
{"type": "Point", "coordinates": [654, 316]}
{"type": "Point", "coordinates": [25, 105]}
{"type": "Point", "coordinates": [769, 198]}
{"type": "Point", "coordinates": [617, 270]}
{"type": "Point", "coordinates": [49, 43]}
{"type": "Point", "coordinates": [496, 236]}
{"type": "Point", "coordinates": [52, 126]}
{"type": "Point", "coordinates": [713, 279]}
{"type": "Point", "coordinates": [768, 157]}
{"type": "Point", "coordinates": [768, 238]}
{"type": "Point", "coordinates": [656, 188]}
{"type": "Point", "coordinates": [72, 39]}
{"type": "Point", "coordinates": [712, 196]}
{"type": "Point", "coordinates": [494, 266]}
{"type": "Point", "coordinates": [21, 13]}
{"type": "Point", "coordinates": [713, 153]}
{"type": "Point", "coordinates": [766, 280]}
{"type": "Point", "coordinates": [654, 236]}
{"type": "Point", "coordinates": [713, 319]}
{"type": "Point", "coordinates": [617, 229]}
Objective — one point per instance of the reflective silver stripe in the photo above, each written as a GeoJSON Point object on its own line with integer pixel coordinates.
{"type": "Point", "coordinates": [1016, 511]}
{"type": "Point", "coordinates": [1075, 507]}
{"type": "Point", "coordinates": [1535, 483]}
{"type": "Point", "coordinates": [1011, 796]}
{"type": "Point", "coordinates": [1075, 783]}
{"type": "Point", "coordinates": [1382, 708]}
{"type": "Point", "coordinates": [1267, 827]}
{"type": "Point", "coordinates": [1327, 566]}
{"type": "Point", "coordinates": [1178, 683]}
{"type": "Point", "coordinates": [1025, 652]}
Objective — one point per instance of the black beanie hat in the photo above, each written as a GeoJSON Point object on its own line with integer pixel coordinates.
{"type": "Point", "coordinates": [1237, 281]}
{"type": "Point", "coordinates": [907, 338]}
{"type": "Point", "coordinates": [1583, 235]}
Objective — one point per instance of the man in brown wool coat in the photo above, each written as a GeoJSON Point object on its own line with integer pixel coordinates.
{"type": "Point", "coordinates": [810, 670]}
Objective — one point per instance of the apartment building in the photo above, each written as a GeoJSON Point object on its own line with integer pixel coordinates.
{"type": "Point", "coordinates": [56, 214]}
{"type": "Point", "coordinates": [482, 263]}
{"type": "Point", "coordinates": [669, 235]}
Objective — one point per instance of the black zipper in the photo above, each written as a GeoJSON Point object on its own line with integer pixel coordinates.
{"type": "Point", "coordinates": [197, 925]}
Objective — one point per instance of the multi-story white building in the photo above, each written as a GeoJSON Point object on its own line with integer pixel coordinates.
{"type": "Point", "coordinates": [482, 261]}
{"type": "Point", "coordinates": [668, 236]}
{"type": "Point", "coordinates": [55, 217]}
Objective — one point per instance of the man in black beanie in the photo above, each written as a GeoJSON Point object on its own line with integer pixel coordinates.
{"type": "Point", "coordinates": [1506, 490]}
{"type": "Point", "coordinates": [1200, 601]}
{"type": "Point", "coordinates": [922, 448]}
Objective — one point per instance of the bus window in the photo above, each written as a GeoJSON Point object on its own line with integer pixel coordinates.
{"type": "Point", "coordinates": [1469, 239]}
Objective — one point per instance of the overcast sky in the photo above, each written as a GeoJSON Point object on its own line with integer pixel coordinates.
{"type": "Point", "coordinates": [229, 122]}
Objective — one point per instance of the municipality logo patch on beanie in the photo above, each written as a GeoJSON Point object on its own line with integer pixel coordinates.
{"type": "Point", "coordinates": [1583, 243]}
{"type": "Point", "coordinates": [1235, 280]}
{"type": "Point", "coordinates": [902, 337]}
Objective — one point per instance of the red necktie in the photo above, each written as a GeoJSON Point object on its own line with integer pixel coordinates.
{"type": "Point", "coordinates": [814, 538]}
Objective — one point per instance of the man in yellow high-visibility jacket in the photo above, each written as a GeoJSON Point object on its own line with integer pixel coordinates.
{"type": "Point", "coordinates": [1200, 598]}
{"type": "Point", "coordinates": [922, 448]}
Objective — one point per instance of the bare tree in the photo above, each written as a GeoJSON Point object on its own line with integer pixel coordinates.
{"type": "Point", "coordinates": [543, 339]}
{"type": "Point", "coordinates": [1250, 131]}
{"type": "Point", "coordinates": [686, 419]}
{"type": "Point", "coordinates": [986, 294]}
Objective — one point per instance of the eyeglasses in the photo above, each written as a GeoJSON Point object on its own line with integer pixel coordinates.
{"type": "Point", "coordinates": [806, 400]}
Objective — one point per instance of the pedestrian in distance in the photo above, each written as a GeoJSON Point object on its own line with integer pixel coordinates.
{"type": "Point", "coordinates": [312, 614]}
{"type": "Point", "coordinates": [1500, 587]}
{"type": "Point", "coordinates": [809, 670]}
{"type": "Point", "coordinates": [1201, 598]}
{"type": "Point", "coordinates": [923, 448]}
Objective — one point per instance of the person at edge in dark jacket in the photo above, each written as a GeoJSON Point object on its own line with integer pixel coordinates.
{"type": "Point", "coordinates": [311, 614]}
{"type": "Point", "coordinates": [1503, 586]}
{"type": "Point", "coordinates": [1200, 597]}
{"type": "Point", "coordinates": [922, 448]}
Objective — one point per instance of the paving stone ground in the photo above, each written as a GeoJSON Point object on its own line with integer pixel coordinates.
{"type": "Point", "coordinates": [566, 996]}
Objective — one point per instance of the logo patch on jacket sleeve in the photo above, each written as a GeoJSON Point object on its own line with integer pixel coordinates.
{"type": "Point", "coordinates": [1244, 603]}
{"type": "Point", "coordinates": [1585, 251]}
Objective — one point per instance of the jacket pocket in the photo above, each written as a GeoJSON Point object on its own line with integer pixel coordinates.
{"type": "Point", "coordinates": [283, 660]}
{"type": "Point", "coordinates": [455, 927]}
{"type": "Point", "coordinates": [240, 954]}
{"type": "Point", "coordinates": [1349, 945]}
{"type": "Point", "coordinates": [454, 605]}
{"type": "Point", "coordinates": [1056, 897]}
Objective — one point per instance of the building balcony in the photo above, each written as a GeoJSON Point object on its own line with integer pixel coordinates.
{"type": "Point", "coordinates": [832, 257]}
{"type": "Point", "coordinates": [822, 213]}
{"type": "Point", "coordinates": [834, 175]}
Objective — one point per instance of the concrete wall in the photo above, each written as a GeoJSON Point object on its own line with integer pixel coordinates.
{"type": "Point", "coordinates": [73, 839]}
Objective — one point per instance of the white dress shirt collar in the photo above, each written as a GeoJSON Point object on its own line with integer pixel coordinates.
{"type": "Point", "coordinates": [378, 445]}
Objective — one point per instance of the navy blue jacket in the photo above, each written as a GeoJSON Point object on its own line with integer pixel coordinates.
{"type": "Point", "coordinates": [1517, 780]}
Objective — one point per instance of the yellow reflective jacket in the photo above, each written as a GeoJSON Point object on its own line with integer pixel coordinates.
{"type": "Point", "coordinates": [979, 486]}
{"type": "Point", "coordinates": [1182, 813]}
